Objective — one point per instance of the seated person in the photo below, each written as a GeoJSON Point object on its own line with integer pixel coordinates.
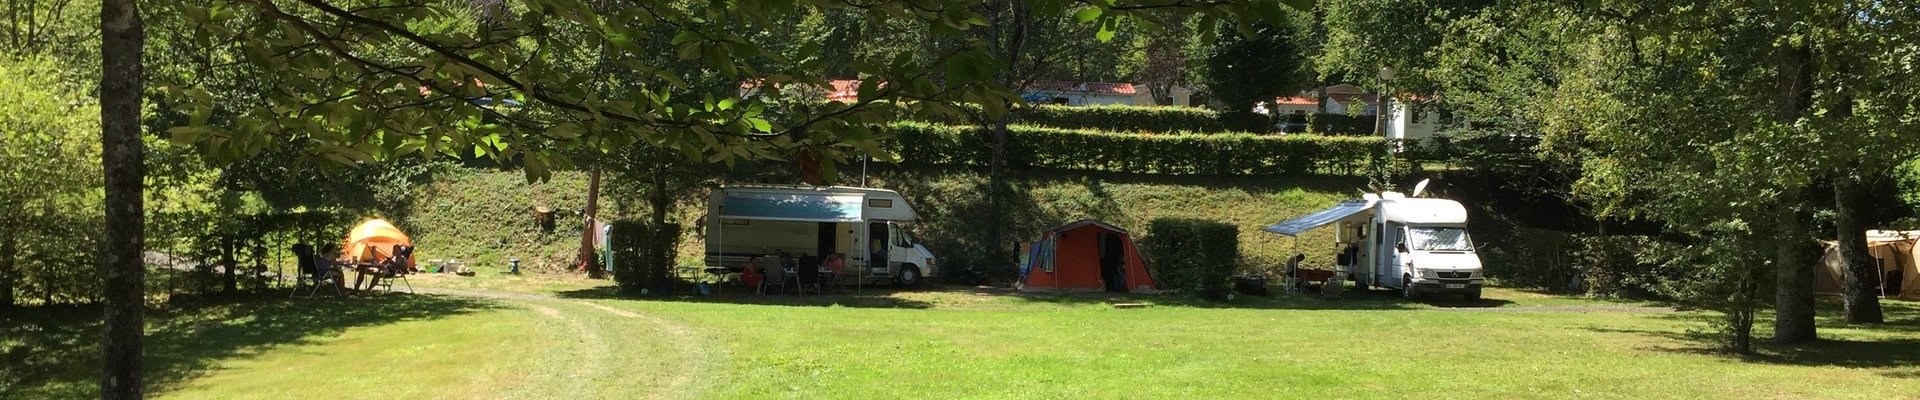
{"type": "Point", "coordinates": [835, 263]}
{"type": "Point", "coordinates": [324, 267]}
{"type": "Point", "coordinates": [751, 276]}
{"type": "Point", "coordinates": [402, 260]}
{"type": "Point", "coordinates": [776, 275]}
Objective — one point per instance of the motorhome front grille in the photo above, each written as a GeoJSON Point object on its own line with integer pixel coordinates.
{"type": "Point", "coordinates": [1455, 274]}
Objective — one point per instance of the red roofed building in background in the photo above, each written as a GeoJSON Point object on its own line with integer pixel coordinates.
{"type": "Point", "coordinates": [1046, 92]}
{"type": "Point", "coordinates": [1071, 93]}
{"type": "Point", "coordinates": [1409, 117]}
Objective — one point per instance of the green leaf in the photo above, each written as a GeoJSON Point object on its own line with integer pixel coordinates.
{"type": "Point", "coordinates": [1087, 14]}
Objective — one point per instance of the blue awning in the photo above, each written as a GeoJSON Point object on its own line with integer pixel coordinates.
{"type": "Point", "coordinates": [1317, 219]}
{"type": "Point", "coordinates": [805, 207]}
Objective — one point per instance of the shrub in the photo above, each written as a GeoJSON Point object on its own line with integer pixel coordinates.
{"type": "Point", "coordinates": [1180, 153]}
{"type": "Point", "coordinates": [1118, 118]}
{"type": "Point", "coordinates": [1193, 255]}
{"type": "Point", "coordinates": [1122, 118]}
{"type": "Point", "coordinates": [640, 261]}
{"type": "Point", "coordinates": [1342, 124]}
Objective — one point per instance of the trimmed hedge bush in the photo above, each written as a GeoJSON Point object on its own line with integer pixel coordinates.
{"type": "Point", "coordinates": [639, 261]}
{"type": "Point", "coordinates": [1342, 124]}
{"type": "Point", "coordinates": [1116, 118]}
{"type": "Point", "coordinates": [1193, 255]}
{"type": "Point", "coordinates": [1179, 153]}
{"type": "Point", "coordinates": [1122, 118]}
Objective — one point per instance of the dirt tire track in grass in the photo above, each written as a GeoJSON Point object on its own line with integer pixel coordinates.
{"type": "Point", "coordinates": [697, 351]}
{"type": "Point", "coordinates": [590, 346]}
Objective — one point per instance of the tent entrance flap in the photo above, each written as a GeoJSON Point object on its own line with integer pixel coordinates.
{"type": "Point", "coordinates": [800, 207]}
{"type": "Point", "coordinates": [1293, 227]}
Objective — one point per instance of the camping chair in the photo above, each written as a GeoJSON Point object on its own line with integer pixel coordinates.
{"type": "Point", "coordinates": [312, 275]}
{"type": "Point", "coordinates": [776, 277]}
{"type": "Point", "coordinates": [397, 269]}
{"type": "Point", "coordinates": [807, 276]}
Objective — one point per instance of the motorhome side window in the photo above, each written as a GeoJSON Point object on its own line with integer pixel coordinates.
{"type": "Point", "coordinates": [880, 203]}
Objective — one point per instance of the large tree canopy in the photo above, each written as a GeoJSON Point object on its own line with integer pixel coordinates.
{"type": "Point", "coordinates": [515, 81]}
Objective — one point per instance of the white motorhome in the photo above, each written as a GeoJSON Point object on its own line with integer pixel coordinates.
{"type": "Point", "coordinates": [810, 223]}
{"type": "Point", "coordinates": [1416, 245]}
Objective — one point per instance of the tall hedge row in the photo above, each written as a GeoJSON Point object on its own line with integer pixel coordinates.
{"type": "Point", "coordinates": [1177, 153]}
{"type": "Point", "coordinates": [1122, 118]}
{"type": "Point", "coordinates": [1339, 124]}
{"type": "Point", "coordinates": [1156, 119]}
{"type": "Point", "coordinates": [1193, 255]}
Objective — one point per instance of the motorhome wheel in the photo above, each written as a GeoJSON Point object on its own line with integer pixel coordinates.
{"type": "Point", "coordinates": [909, 276]}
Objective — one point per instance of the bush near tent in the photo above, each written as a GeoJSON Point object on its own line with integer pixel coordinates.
{"type": "Point", "coordinates": [1194, 255]}
{"type": "Point", "coordinates": [1170, 153]}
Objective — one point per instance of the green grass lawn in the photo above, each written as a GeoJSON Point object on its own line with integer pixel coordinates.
{"type": "Point", "coordinates": [566, 338]}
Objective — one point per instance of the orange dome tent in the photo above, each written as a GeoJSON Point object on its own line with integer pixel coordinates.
{"type": "Point", "coordinates": [373, 241]}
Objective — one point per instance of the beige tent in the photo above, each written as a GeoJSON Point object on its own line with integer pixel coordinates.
{"type": "Point", "coordinates": [1896, 252]}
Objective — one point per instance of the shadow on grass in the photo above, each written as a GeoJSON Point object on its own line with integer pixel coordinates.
{"type": "Point", "coordinates": [1843, 351]}
{"type": "Point", "coordinates": [863, 298]}
{"type": "Point", "coordinates": [887, 297]}
{"type": "Point", "coordinates": [54, 352]}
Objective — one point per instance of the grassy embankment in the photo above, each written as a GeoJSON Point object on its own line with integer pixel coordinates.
{"type": "Point", "coordinates": [961, 343]}
{"type": "Point", "coordinates": [482, 217]}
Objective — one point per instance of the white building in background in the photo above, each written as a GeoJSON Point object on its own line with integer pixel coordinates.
{"type": "Point", "coordinates": [1407, 119]}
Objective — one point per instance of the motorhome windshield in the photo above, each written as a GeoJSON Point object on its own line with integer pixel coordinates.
{"type": "Point", "coordinates": [1439, 239]}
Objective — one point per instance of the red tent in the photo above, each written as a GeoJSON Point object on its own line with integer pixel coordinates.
{"type": "Point", "coordinates": [1085, 256]}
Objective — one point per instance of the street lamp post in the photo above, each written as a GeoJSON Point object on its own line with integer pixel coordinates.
{"type": "Point", "coordinates": [1381, 108]}
{"type": "Point", "coordinates": [1380, 127]}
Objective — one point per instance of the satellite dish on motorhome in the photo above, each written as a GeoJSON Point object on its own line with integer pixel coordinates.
{"type": "Point", "coordinates": [1420, 187]}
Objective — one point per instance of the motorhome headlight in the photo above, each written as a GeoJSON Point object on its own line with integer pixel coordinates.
{"type": "Point", "coordinates": [929, 261]}
{"type": "Point", "coordinates": [1428, 273]}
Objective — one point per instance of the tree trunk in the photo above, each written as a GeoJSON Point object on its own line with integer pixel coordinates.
{"type": "Point", "coordinates": [659, 203]}
{"type": "Point", "coordinates": [1861, 281]}
{"type": "Point", "coordinates": [9, 247]}
{"type": "Point", "coordinates": [121, 43]}
{"type": "Point", "coordinates": [996, 197]}
{"type": "Point", "coordinates": [1009, 35]}
{"type": "Point", "coordinates": [1793, 293]}
{"type": "Point", "coordinates": [588, 262]}
{"type": "Point", "coordinates": [1793, 274]}
{"type": "Point", "coordinates": [231, 281]}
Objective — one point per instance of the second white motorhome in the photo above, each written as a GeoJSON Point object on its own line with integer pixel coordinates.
{"type": "Point", "coordinates": [1418, 246]}
{"type": "Point", "coordinates": [810, 223]}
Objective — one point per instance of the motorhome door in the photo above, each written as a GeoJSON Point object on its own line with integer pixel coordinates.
{"type": "Point", "coordinates": [1391, 271]}
{"type": "Point", "coordinates": [878, 247]}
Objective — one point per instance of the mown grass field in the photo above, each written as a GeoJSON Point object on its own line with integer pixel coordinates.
{"type": "Point", "coordinates": [562, 338]}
